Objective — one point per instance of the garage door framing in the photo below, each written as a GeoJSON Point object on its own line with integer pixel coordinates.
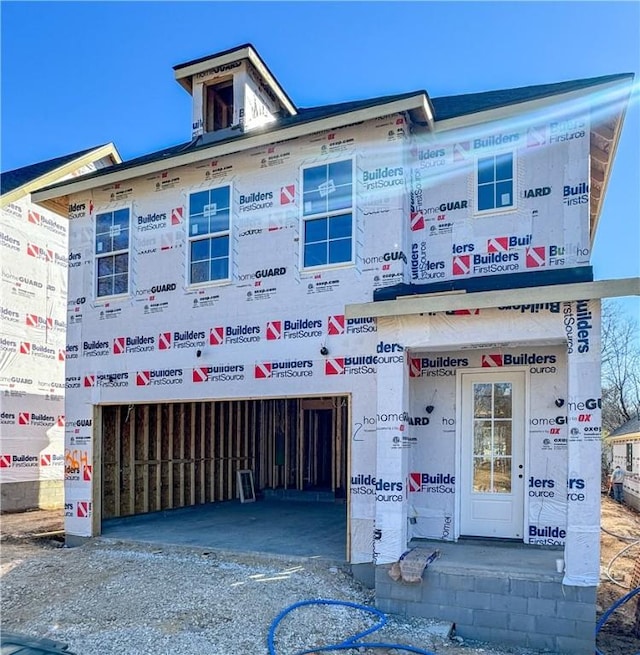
{"type": "Point", "coordinates": [159, 456]}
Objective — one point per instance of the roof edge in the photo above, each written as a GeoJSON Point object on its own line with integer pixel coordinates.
{"type": "Point", "coordinates": [416, 103]}
{"type": "Point", "coordinates": [456, 300]}
{"type": "Point", "coordinates": [88, 156]}
{"type": "Point", "coordinates": [184, 72]}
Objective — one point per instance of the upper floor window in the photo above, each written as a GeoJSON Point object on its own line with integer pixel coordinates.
{"type": "Point", "coordinates": [495, 182]}
{"type": "Point", "coordinates": [209, 235]}
{"type": "Point", "coordinates": [112, 253]}
{"type": "Point", "coordinates": [327, 192]}
{"type": "Point", "coordinates": [219, 106]}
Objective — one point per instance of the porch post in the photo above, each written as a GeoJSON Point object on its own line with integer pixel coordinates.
{"type": "Point", "coordinates": [390, 524]}
{"type": "Point", "coordinates": [582, 544]}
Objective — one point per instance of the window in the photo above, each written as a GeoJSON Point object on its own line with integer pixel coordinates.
{"type": "Point", "coordinates": [327, 214]}
{"type": "Point", "coordinates": [209, 232]}
{"type": "Point", "coordinates": [629, 457]}
{"type": "Point", "coordinates": [495, 182]}
{"type": "Point", "coordinates": [112, 253]}
{"type": "Point", "coordinates": [219, 106]}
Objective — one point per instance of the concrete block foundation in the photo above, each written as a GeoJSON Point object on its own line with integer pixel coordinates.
{"type": "Point", "coordinates": [515, 598]}
{"type": "Point", "coordinates": [39, 494]}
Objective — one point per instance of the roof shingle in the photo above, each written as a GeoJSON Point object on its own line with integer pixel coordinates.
{"type": "Point", "coordinates": [10, 180]}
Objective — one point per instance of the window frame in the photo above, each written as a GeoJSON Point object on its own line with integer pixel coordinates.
{"type": "Point", "coordinates": [306, 218]}
{"type": "Point", "coordinates": [514, 179]}
{"type": "Point", "coordinates": [210, 235]}
{"type": "Point", "coordinates": [211, 94]}
{"type": "Point", "coordinates": [111, 253]}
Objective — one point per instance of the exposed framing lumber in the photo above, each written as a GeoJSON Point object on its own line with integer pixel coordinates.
{"type": "Point", "coordinates": [168, 455]}
{"type": "Point", "coordinates": [158, 494]}
{"type": "Point", "coordinates": [118, 465]}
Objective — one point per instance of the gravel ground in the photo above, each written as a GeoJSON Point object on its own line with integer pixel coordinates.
{"type": "Point", "coordinates": [110, 597]}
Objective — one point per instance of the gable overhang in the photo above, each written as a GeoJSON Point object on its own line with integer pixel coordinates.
{"type": "Point", "coordinates": [606, 103]}
{"type": "Point", "coordinates": [461, 300]}
{"type": "Point", "coordinates": [624, 438]}
{"type": "Point", "coordinates": [184, 72]}
{"type": "Point", "coordinates": [108, 150]}
{"type": "Point", "coordinates": [417, 107]}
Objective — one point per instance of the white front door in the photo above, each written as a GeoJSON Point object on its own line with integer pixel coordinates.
{"type": "Point", "coordinates": [492, 454]}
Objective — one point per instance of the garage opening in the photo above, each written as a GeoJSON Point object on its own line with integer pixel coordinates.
{"type": "Point", "coordinates": [173, 455]}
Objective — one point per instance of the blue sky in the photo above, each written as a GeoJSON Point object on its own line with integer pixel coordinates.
{"type": "Point", "coordinates": [75, 75]}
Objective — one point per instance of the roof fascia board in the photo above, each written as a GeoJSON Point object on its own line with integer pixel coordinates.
{"type": "Point", "coordinates": [509, 111]}
{"type": "Point", "coordinates": [443, 302]}
{"type": "Point", "coordinates": [427, 110]}
{"type": "Point", "coordinates": [257, 62]}
{"type": "Point", "coordinates": [232, 147]}
{"type": "Point", "coordinates": [621, 438]}
{"type": "Point", "coordinates": [605, 183]}
{"type": "Point", "coordinates": [108, 150]}
{"type": "Point", "coordinates": [184, 75]}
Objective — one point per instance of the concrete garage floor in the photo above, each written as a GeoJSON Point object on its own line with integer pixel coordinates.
{"type": "Point", "coordinates": [310, 529]}
{"type": "Point", "coordinates": [277, 527]}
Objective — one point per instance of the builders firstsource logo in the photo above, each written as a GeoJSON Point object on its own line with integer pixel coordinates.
{"type": "Point", "coordinates": [178, 340]}
{"type": "Point", "coordinates": [7, 241]}
{"type": "Point", "coordinates": [578, 326]}
{"type": "Point", "coordinates": [385, 491]}
{"type": "Point", "coordinates": [337, 324]}
{"type": "Point", "coordinates": [494, 262]}
{"type": "Point", "coordinates": [504, 244]}
{"type": "Point", "coordinates": [50, 459]}
{"type": "Point", "coordinates": [365, 364]}
{"type": "Point", "coordinates": [229, 334]}
{"type": "Point", "coordinates": [95, 348]}
{"type": "Point", "coordinates": [159, 377]}
{"type": "Point", "coordinates": [255, 200]}
{"type": "Point", "coordinates": [106, 380]}
{"type": "Point", "coordinates": [440, 366]}
{"type": "Point", "coordinates": [297, 368]}
{"type": "Point", "coordinates": [83, 509]}
{"type": "Point", "coordinates": [537, 363]}
{"type": "Point", "coordinates": [151, 221]}
{"type": "Point", "coordinates": [19, 461]}
{"type": "Point", "coordinates": [33, 418]}
{"type": "Point", "coordinates": [432, 483]}
{"type": "Point", "coordinates": [138, 344]}
{"type": "Point", "coordinates": [7, 418]}
{"type": "Point", "coordinates": [218, 373]}
{"type": "Point", "coordinates": [300, 328]}
{"type": "Point", "coordinates": [37, 350]}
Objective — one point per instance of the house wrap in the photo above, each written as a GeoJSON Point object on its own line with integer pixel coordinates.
{"type": "Point", "coordinates": [389, 299]}
{"type": "Point", "coordinates": [33, 318]}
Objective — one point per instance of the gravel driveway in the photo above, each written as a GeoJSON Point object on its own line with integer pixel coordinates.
{"type": "Point", "coordinates": [110, 597]}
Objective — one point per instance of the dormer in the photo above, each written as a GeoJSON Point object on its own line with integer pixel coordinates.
{"type": "Point", "coordinates": [233, 93]}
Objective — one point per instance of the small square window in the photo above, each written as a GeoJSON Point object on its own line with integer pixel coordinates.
{"type": "Point", "coordinates": [495, 182]}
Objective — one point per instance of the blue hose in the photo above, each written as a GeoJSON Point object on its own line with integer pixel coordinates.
{"type": "Point", "coordinates": [351, 642]}
{"type": "Point", "coordinates": [611, 610]}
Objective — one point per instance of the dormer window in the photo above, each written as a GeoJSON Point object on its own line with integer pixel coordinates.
{"type": "Point", "coordinates": [233, 93]}
{"type": "Point", "coordinates": [219, 106]}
